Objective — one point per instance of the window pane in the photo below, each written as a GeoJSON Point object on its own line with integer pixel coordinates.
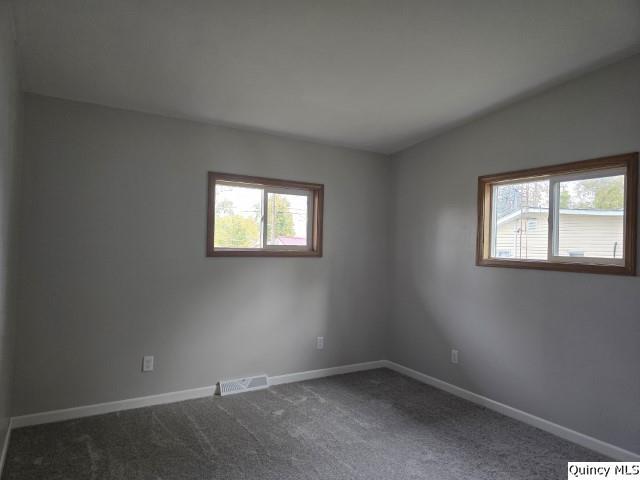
{"type": "Point", "coordinates": [287, 219]}
{"type": "Point", "coordinates": [520, 220]}
{"type": "Point", "coordinates": [238, 217]}
{"type": "Point", "coordinates": [591, 218]}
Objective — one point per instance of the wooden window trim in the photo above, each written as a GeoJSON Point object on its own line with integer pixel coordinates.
{"type": "Point", "coordinates": [629, 161]}
{"type": "Point", "coordinates": [315, 190]}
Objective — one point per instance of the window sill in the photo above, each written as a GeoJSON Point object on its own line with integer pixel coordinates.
{"type": "Point", "coordinates": [607, 269]}
{"type": "Point", "coordinates": [264, 253]}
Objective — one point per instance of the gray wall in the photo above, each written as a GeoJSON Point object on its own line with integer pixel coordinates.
{"type": "Point", "coordinates": [115, 267]}
{"type": "Point", "coordinates": [9, 132]}
{"type": "Point", "coordinates": [563, 346]}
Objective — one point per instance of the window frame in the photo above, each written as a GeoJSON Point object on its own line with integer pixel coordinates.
{"type": "Point", "coordinates": [315, 193]}
{"type": "Point", "coordinates": [626, 163]}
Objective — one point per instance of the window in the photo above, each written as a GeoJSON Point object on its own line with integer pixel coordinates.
{"type": "Point", "coordinates": [578, 216]}
{"type": "Point", "coordinates": [251, 216]}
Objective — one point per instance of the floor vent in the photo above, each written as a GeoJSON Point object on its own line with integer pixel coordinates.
{"type": "Point", "coordinates": [239, 385]}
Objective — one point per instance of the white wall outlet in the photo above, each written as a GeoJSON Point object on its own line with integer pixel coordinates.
{"type": "Point", "coordinates": [147, 363]}
{"type": "Point", "coordinates": [454, 356]}
{"type": "Point", "coordinates": [320, 343]}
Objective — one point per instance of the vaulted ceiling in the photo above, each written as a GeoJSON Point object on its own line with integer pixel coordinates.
{"type": "Point", "coordinates": [378, 75]}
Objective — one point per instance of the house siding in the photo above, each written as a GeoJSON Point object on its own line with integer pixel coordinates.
{"type": "Point", "coordinates": [593, 235]}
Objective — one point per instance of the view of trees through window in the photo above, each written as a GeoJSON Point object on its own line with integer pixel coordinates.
{"type": "Point", "coordinates": [238, 217]}
{"type": "Point", "coordinates": [521, 216]}
{"type": "Point", "coordinates": [590, 219]}
{"type": "Point", "coordinates": [286, 219]}
{"type": "Point", "coordinates": [240, 212]}
{"type": "Point", "coordinates": [606, 193]}
{"type": "Point", "coordinates": [576, 217]}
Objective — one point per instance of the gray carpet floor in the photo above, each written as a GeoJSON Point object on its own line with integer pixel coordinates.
{"type": "Point", "coordinates": [367, 425]}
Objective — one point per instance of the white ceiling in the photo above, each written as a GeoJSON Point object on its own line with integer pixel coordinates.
{"type": "Point", "coordinates": [378, 75]}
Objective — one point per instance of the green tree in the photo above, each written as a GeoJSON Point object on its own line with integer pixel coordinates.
{"type": "Point", "coordinates": [565, 198]}
{"type": "Point", "coordinates": [279, 218]}
{"type": "Point", "coordinates": [509, 198]}
{"type": "Point", "coordinates": [236, 231]}
{"type": "Point", "coordinates": [225, 207]}
{"type": "Point", "coordinates": [601, 193]}
{"type": "Point", "coordinates": [610, 194]}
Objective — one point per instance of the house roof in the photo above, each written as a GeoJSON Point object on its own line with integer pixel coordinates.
{"type": "Point", "coordinates": [283, 240]}
{"type": "Point", "coordinates": [563, 211]}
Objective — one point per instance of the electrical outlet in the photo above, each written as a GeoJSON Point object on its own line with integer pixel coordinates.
{"type": "Point", "coordinates": [454, 356]}
{"type": "Point", "coordinates": [320, 343]}
{"type": "Point", "coordinates": [147, 363]}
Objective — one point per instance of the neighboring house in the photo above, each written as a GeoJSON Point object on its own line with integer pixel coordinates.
{"type": "Point", "coordinates": [583, 233]}
{"type": "Point", "coordinates": [299, 241]}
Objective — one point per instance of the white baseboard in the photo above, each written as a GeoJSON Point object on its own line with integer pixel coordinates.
{"type": "Point", "coordinates": [586, 441]}
{"type": "Point", "coordinates": [5, 446]}
{"type": "Point", "coordinates": [127, 404]}
{"type": "Point", "coordinates": [546, 425]}
{"type": "Point", "coordinates": [325, 372]}
{"type": "Point", "coordinates": [109, 407]}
